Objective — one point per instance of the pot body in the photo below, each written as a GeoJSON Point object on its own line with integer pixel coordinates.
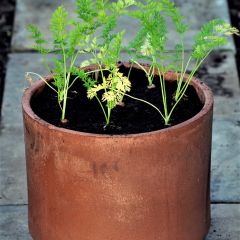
{"type": "Point", "coordinates": [149, 186]}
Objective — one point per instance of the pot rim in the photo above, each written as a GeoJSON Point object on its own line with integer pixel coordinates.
{"type": "Point", "coordinates": [203, 91]}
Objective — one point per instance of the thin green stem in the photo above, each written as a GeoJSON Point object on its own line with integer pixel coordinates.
{"type": "Point", "coordinates": [179, 83]}
{"type": "Point", "coordinates": [109, 115]}
{"type": "Point", "coordinates": [70, 69]}
{"type": "Point", "coordinates": [130, 70]}
{"type": "Point", "coordinates": [150, 104]}
{"type": "Point", "coordinates": [43, 79]}
{"type": "Point", "coordinates": [65, 85]}
{"type": "Point", "coordinates": [100, 67]}
{"type": "Point", "coordinates": [97, 70]}
{"type": "Point", "coordinates": [67, 75]}
{"type": "Point", "coordinates": [152, 73]}
{"type": "Point", "coordinates": [74, 80]}
{"type": "Point", "coordinates": [196, 67]}
{"type": "Point", "coordinates": [165, 96]}
{"type": "Point", "coordinates": [163, 91]}
{"type": "Point", "coordinates": [183, 56]}
{"type": "Point", "coordinates": [65, 96]}
{"type": "Point", "coordinates": [104, 112]}
{"type": "Point", "coordinates": [187, 82]}
{"type": "Point", "coordinates": [45, 64]}
{"type": "Point", "coordinates": [149, 76]}
{"type": "Point", "coordinates": [141, 67]}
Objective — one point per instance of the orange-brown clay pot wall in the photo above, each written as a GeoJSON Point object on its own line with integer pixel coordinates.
{"type": "Point", "coordinates": [150, 186]}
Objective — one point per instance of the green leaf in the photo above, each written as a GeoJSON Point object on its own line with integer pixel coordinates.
{"type": "Point", "coordinates": [85, 63]}
{"type": "Point", "coordinates": [86, 10]}
{"type": "Point", "coordinates": [58, 25]}
{"type": "Point", "coordinates": [38, 38]}
{"type": "Point", "coordinates": [87, 81]}
{"type": "Point", "coordinates": [212, 35]}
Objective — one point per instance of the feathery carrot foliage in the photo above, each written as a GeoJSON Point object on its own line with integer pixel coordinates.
{"type": "Point", "coordinates": [94, 33]}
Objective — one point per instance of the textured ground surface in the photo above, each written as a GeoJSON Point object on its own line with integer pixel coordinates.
{"type": "Point", "coordinates": [219, 72]}
{"type": "Point", "coordinates": [7, 10]}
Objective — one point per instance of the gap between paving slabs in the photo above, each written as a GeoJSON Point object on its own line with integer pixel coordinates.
{"type": "Point", "coordinates": [7, 8]}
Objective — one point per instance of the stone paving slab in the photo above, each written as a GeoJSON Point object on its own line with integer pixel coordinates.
{"type": "Point", "coordinates": [13, 223]}
{"type": "Point", "coordinates": [13, 184]}
{"type": "Point", "coordinates": [39, 11]}
{"type": "Point", "coordinates": [18, 65]}
{"type": "Point", "coordinates": [225, 222]}
{"type": "Point", "coordinates": [225, 169]}
{"type": "Point", "coordinates": [227, 106]}
{"type": "Point", "coordinates": [219, 72]}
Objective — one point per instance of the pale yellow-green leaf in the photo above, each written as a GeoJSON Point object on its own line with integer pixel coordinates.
{"type": "Point", "coordinates": [88, 49]}
{"type": "Point", "coordinates": [146, 48]}
{"type": "Point", "coordinates": [108, 96]}
{"type": "Point", "coordinates": [85, 63]}
{"type": "Point", "coordinates": [87, 39]}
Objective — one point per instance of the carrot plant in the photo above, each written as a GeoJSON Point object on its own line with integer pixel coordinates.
{"type": "Point", "coordinates": [66, 45]}
{"type": "Point", "coordinates": [114, 85]}
{"type": "Point", "coordinates": [151, 40]}
{"type": "Point", "coordinates": [105, 52]}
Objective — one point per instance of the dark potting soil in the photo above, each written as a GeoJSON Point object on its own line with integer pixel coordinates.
{"type": "Point", "coordinates": [135, 117]}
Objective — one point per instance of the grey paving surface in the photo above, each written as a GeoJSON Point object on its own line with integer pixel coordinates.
{"type": "Point", "coordinates": [219, 72]}
{"type": "Point", "coordinates": [39, 12]}
{"type": "Point", "coordinates": [225, 182]}
{"type": "Point", "coordinates": [13, 186]}
{"type": "Point", "coordinates": [13, 223]}
{"type": "Point", "coordinates": [225, 223]}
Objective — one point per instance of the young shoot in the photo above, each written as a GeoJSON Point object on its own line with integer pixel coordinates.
{"type": "Point", "coordinates": [109, 81]}
{"type": "Point", "coordinates": [211, 36]}
{"type": "Point", "coordinates": [66, 47]}
{"type": "Point", "coordinates": [150, 43]}
{"type": "Point", "coordinates": [113, 89]}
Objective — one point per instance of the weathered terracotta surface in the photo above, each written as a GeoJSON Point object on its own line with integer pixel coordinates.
{"type": "Point", "coordinates": [149, 186]}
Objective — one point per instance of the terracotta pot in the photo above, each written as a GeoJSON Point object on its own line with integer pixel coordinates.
{"type": "Point", "coordinates": [148, 186]}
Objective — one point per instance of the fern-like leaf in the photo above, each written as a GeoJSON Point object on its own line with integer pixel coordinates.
{"type": "Point", "coordinates": [58, 25]}
{"type": "Point", "coordinates": [86, 10]}
{"type": "Point", "coordinates": [88, 82]}
{"type": "Point", "coordinates": [115, 86]}
{"type": "Point", "coordinates": [212, 35]}
{"type": "Point", "coordinates": [38, 38]}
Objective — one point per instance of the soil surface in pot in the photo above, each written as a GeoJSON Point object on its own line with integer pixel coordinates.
{"type": "Point", "coordinates": [135, 117]}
